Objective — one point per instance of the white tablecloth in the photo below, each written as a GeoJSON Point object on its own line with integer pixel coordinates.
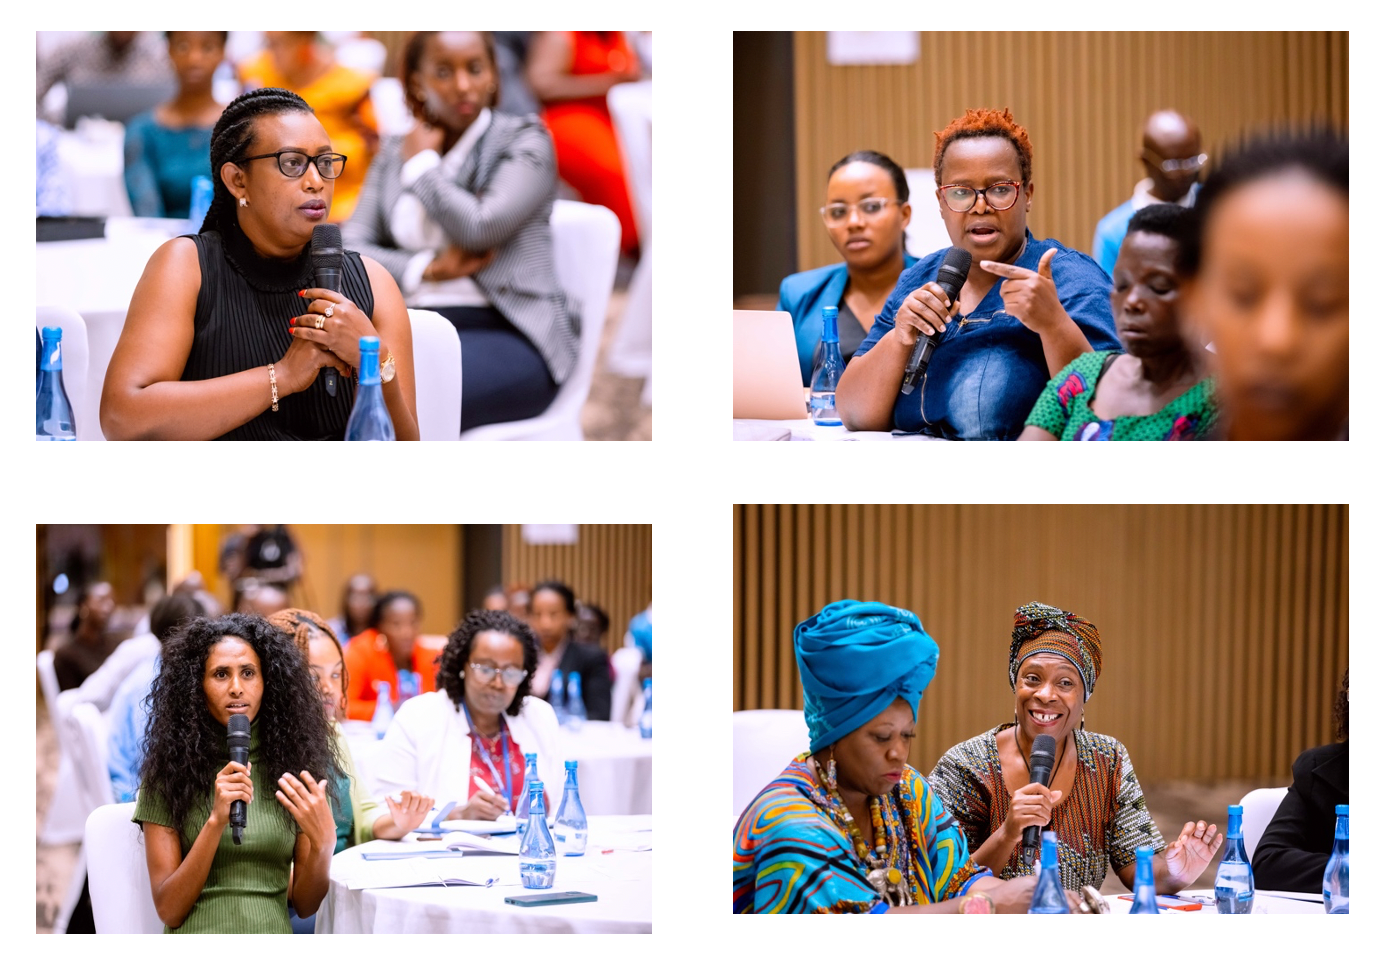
{"type": "Point", "coordinates": [803, 429]}
{"type": "Point", "coordinates": [1264, 905]}
{"type": "Point", "coordinates": [96, 278]}
{"type": "Point", "coordinates": [615, 769]}
{"type": "Point", "coordinates": [622, 880]}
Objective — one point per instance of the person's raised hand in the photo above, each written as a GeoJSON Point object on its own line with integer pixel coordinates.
{"type": "Point", "coordinates": [232, 785]}
{"type": "Point", "coordinates": [410, 812]}
{"type": "Point", "coordinates": [340, 332]}
{"type": "Point", "coordinates": [1190, 853]}
{"type": "Point", "coordinates": [925, 310]}
{"type": "Point", "coordinates": [1031, 804]}
{"type": "Point", "coordinates": [483, 805]}
{"type": "Point", "coordinates": [307, 803]}
{"type": "Point", "coordinates": [1030, 296]}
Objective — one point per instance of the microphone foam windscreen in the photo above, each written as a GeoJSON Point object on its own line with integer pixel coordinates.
{"type": "Point", "coordinates": [239, 726]}
{"type": "Point", "coordinates": [326, 243]}
{"type": "Point", "coordinates": [1043, 745]}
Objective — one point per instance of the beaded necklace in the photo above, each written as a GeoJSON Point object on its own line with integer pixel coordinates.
{"type": "Point", "coordinates": [888, 866]}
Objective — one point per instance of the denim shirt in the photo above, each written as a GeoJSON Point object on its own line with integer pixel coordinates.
{"type": "Point", "coordinates": [988, 368]}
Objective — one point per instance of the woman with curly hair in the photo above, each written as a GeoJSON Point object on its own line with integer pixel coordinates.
{"type": "Point", "coordinates": [202, 882]}
{"type": "Point", "coordinates": [364, 818]}
{"type": "Point", "coordinates": [1027, 308]}
{"type": "Point", "coordinates": [467, 740]}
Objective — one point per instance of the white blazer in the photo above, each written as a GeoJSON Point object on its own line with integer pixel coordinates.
{"type": "Point", "coordinates": [428, 748]}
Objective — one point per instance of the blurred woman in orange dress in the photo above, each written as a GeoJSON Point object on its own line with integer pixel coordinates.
{"type": "Point", "coordinates": [571, 72]}
{"type": "Point", "coordinates": [296, 60]}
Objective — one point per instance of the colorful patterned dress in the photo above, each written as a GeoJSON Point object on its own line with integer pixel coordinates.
{"type": "Point", "coordinates": [1099, 823]}
{"type": "Point", "coordinates": [1064, 408]}
{"type": "Point", "coordinates": [790, 855]}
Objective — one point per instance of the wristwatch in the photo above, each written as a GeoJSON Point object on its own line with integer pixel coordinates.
{"type": "Point", "coordinates": [387, 369]}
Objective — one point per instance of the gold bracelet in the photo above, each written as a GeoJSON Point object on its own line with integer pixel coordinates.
{"type": "Point", "coordinates": [978, 898]}
{"type": "Point", "coordinates": [273, 386]}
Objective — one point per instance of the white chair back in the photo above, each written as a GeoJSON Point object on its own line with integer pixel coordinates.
{"type": "Point", "coordinates": [926, 233]}
{"type": "Point", "coordinates": [630, 352]}
{"type": "Point", "coordinates": [92, 755]}
{"type": "Point", "coordinates": [118, 873]}
{"type": "Point", "coordinates": [627, 706]}
{"type": "Point", "coordinates": [75, 364]}
{"type": "Point", "coordinates": [68, 809]}
{"type": "Point", "coordinates": [764, 742]}
{"type": "Point", "coordinates": [436, 362]}
{"type": "Point", "coordinates": [585, 241]}
{"type": "Point", "coordinates": [1257, 808]}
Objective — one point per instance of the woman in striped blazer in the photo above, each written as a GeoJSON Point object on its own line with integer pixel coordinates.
{"type": "Point", "coordinates": [458, 211]}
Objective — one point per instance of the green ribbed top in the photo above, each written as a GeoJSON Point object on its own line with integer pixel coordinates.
{"type": "Point", "coordinates": [246, 889]}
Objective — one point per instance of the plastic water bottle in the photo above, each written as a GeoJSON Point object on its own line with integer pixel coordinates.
{"type": "Point", "coordinates": [572, 828]}
{"type": "Point", "coordinates": [1049, 890]}
{"type": "Point", "coordinates": [1145, 903]}
{"type": "Point", "coordinates": [828, 369]}
{"type": "Point", "coordinates": [574, 705]}
{"type": "Point", "coordinates": [557, 696]}
{"type": "Point", "coordinates": [529, 775]}
{"type": "Point", "coordinates": [383, 711]}
{"type": "Point", "coordinates": [409, 684]}
{"type": "Point", "coordinates": [1337, 875]}
{"type": "Point", "coordinates": [369, 421]}
{"type": "Point", "coordinates": [644, 724]}
{"type": "Point", "coordinates": [55, 421]}
{"type": "Point", "coordinates": [537, 853]}
{"type": "Point", "coordinates": [202, 193]}
{"type": "Point", "coordinates": [1235, 881]}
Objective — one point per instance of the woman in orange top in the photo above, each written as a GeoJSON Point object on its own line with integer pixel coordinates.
{"type": "Point", "coordinates": [570, 72]}
{"type": "Point", "coordinates": [295, 61]}
{"type": "Point", "coordinates": [391, 651]}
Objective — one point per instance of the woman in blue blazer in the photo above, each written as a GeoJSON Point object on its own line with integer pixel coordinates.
{"type": "Point", "coordinates": [866, 213]}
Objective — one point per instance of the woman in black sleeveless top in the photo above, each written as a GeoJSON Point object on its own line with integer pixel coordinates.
{"type": "Point", "coordinates": [225, 335]}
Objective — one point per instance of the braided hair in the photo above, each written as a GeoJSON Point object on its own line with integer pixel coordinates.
{"type": "Point", "coordinates": [230, 140]}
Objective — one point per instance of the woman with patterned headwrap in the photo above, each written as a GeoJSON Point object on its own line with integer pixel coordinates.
{"type": "Point", "coordinates": [849, 826]}
{"type": "Point", "coordinates": [1093, 802]}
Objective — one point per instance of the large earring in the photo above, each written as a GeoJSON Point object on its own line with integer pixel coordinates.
{"type": "Point", "coordinates": [243, 202]}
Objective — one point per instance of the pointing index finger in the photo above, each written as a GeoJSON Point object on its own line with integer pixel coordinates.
{"type": "Point", "coordinates": [1006, 270]}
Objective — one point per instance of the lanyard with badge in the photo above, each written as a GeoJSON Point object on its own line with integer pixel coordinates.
{"type": "Point", "coordinates": [484, 755]}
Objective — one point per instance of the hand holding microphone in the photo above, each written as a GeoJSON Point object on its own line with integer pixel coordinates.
{"type": "Point", "coordinates": [1036, 800]}
{"type": "Point", "coordinates": [236, 776]}
{"type": "Point", "coordinates": [924, 314]}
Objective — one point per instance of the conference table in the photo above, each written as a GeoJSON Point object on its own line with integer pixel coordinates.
{"type": "Point", "coordinates": [96, 278]}
{"type": "Point", "coordinates": [615, 764]}
{"type": "Point", "coordinates": [613, 869]}
{"type": "Point", "coordinates": [1266, 903]}
{"type": "Point", "coordinates": [803, 429]}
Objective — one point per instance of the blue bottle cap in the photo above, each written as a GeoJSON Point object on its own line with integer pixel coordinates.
{"type": "Point", "coordinates": [570, 766]}
{"type": "Point", "coordinates": [831, 312]}
{"type": "Point", "coordinates": [1344, 809]}
{"type": "Point", "coordinates": [52, 333]}
{"type": "Point", "coordinates": [1144, 851]}
{"type": "Point", "coordinates": [530, 756]}
{"type": "Point", "coordinates": [369, 343]}
{"type": "Point", "coordinates": [1234, 809]}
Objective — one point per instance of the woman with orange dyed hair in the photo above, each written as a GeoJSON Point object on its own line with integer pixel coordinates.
{"type": "Point", "coordinates": [1027, 308]}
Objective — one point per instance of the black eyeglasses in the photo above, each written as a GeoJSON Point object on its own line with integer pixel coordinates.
{"type": "Point", "coordinates": [293, 163]}
{"type": "Point", "coordinates": [510, 676]}
{"type": "Point", "coordinates": [999, 196]}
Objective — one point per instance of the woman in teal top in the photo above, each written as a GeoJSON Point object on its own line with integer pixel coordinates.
{"type": "Point", "coordinates": [169, 145]}
{"type": "Point", "coordinates": [1159, 390]}
{"type": "Point", "coordinates": [202, 882]}
{"type": "Point", "coordinates": [866, 213]}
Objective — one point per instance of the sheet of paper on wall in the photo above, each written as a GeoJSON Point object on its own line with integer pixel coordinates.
{"type": "Point", "coordinates": [845, 48]}
{"type": "Point", "coordinates": [550, 533]}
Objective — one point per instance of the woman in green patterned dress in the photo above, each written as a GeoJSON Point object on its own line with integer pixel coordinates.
{"type": "Point", "coordinates": [1093, 802]}
{"type": "Point", "coordinates": [1159, 390]}
{"type": "Point", "coordinates": [202, 880]}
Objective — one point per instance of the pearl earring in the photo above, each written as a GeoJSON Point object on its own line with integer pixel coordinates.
{"type": "Point", "coordinates": [243, 202]}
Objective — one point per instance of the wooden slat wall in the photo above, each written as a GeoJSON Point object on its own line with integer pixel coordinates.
{"type": "Point", "coordinates": [1081, 96]}
{"type": "Point", "coordinates": [610, 566]}
{"type": "Point", "coordinates": [1224, 627]}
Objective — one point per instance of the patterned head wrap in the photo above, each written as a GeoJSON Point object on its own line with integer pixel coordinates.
{"type": "Point", "coordinates": [855, 659]}
{"type": "Point", "coordinates": [1043, 629]}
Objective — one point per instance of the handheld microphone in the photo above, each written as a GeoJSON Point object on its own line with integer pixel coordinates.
{"type": "Point", "coordinates": [327, 262]}
{"type": "Point", "coordinates": [1041, 768]}
{"type": "Point", "coordinates": [238, 737]}
{"type": "Point", "coordinates": [952, 273]}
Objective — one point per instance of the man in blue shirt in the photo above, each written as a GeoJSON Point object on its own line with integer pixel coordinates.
{"type": "Point", "coordinates": [1172, 152]}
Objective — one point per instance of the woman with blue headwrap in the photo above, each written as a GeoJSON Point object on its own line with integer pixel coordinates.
{"type": "Point", "coordinates": [1093, 802]}
{"type": "Point", "coordinates": [849, 826]}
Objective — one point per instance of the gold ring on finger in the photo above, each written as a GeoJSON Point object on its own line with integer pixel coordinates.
{"type": "Point", "coordinates": [320, 323]}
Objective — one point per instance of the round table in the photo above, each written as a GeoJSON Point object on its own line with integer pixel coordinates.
{"type": "Point", "coordinates": [1274, 903]}
{"type": "Point", "coordinates": [615, 765]}
{"type": "Point", "coordinates": [621, 879]}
